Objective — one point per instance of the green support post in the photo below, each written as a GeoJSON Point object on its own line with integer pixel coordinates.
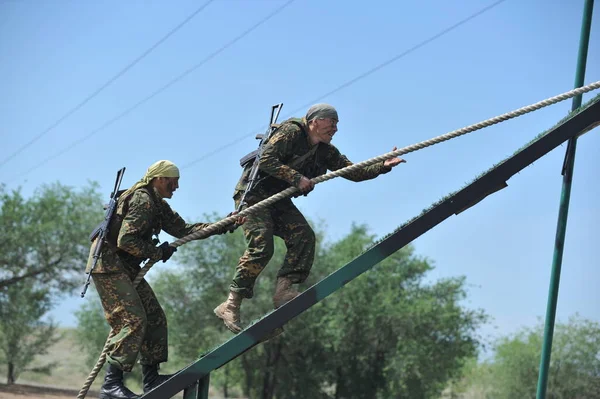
{"type": "Point", "coordinates": [563, 209]}
{"type": "Point", "coordinates": [199, 390]}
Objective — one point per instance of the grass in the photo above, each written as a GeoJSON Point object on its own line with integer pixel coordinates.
{"type": "Point", "coordinates": [70, 371]}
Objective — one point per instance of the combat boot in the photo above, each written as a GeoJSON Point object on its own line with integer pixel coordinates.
{"type": "Point", "coordinates": [229, 312]}
{"type": "Point", "coordinates": [113, 387]}
{"type": "Point", "coordinates": [284, 292]}
{"type": "Point", "coordinates": [150, 377]}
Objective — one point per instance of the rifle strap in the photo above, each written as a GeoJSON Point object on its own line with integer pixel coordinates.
{"type": "Point", "coordinates": [249, 158]}
{"type": "Point", "coordinates": [297, 161]}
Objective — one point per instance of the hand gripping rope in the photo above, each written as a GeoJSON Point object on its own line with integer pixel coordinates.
{"type": "Point", "coordinates": [211, 229]}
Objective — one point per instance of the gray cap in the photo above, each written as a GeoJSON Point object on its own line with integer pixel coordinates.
{"type": "Point", "coordinates": [321, 111]}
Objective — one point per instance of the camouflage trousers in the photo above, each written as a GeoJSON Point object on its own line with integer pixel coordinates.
{"type": "Point", "coordinates": [136, 316]}
{"type": "Point", "coordinates": [283, 220]}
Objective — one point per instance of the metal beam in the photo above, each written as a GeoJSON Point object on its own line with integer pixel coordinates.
{"type": "Point", "coordinates": [453, 204]}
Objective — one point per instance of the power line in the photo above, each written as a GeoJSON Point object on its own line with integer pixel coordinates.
{"type": "Point", "coordinates": [158, 91]}
{"type": "Point", "coordinates": [354, 80]}
{"type": "Point", "coordinates": [108, 83]}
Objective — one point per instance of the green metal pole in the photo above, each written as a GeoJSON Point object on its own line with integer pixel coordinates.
{"type": "Point", "coordinates": [563, 208]}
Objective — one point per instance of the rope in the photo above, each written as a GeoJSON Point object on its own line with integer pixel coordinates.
{"type": "Point", "coordinates": [411, 148]}
{"type": "Point", "coordinates": [214, 227]}
{"type": "Point", "coordinates": [97, 367]}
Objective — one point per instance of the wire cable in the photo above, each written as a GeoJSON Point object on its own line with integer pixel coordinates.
{"type": "Point", "coordinates": [106, 84]}
{"type": "Point", "coordinates": [351, 81]}
{"type": "Point", "coordinates": [156, 92]}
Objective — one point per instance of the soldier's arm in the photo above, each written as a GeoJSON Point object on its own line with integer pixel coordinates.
{"type": "Point", "coordinates": [174, 224]}
{"type": "Point", "coordinates": [136, 222]}
{"type": "Point", "coordinates": [335, 161]}
{"type": "Point", "coordinates": [279, 147]}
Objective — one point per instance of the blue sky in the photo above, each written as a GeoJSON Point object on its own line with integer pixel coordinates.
{"type": "Point", "coordinates": [53, 54]}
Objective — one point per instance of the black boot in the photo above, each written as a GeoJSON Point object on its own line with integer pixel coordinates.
{"type": "Point", "coordinates": [113, 387]}
{"type": "Point", "coordinates": [150, 377]}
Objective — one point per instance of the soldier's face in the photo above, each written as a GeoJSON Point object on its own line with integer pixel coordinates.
{"type": "Point", "coordinates": [325, 129]}
{"type": "Point", "coordinates": [166, 186]}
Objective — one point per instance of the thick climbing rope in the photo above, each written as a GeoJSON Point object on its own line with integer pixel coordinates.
{"type": "Point", "coordinates": [215, 227]}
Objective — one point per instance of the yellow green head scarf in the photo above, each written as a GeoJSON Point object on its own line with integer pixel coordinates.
{"type": "Point", "coordinates": [162, 168]}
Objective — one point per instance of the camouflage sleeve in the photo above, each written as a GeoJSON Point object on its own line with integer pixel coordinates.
{"type": "Point", "coordinates": [136, 223]}
{"type": "Point", "coordinates": [336, 161]}
{"type": "Point", "coordinates": [174, 224]}
{"type": "Point", "coordinates": [280, 146]}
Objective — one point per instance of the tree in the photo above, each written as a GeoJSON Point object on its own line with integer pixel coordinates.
{"type": "Point", "coordinates": [513, 371]}
{"type": "Point", "coordinates": [22, 335]}
{"type": "Point", "coordinates": [43, 253]}
{"type": "Point", "coordinates": [45, 237]}
{"type": "Point", "coordinates": [574, 366]}
{"type": "Point", "coordinates": [386, 334]}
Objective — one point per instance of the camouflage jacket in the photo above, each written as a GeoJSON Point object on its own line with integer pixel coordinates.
{"type": "Point", "coordinates": [278, 169]}
{"type": "Point", "coordinates": [137, 219]}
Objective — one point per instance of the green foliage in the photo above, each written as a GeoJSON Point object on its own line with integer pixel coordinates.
{"type": "Point", "coordinates": [43, 251]}
{"type": "Point", "coordinates": [386, 334]}
{"type": "Point", "coordinates": [45, 237]}
{"type": "Point", "coordinates": [513, 372]}
{"type": "Point", "coordinates": [23, 335]}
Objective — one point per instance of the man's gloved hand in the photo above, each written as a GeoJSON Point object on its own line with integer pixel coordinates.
{"type": "Point", "coordinates": [167, 251]}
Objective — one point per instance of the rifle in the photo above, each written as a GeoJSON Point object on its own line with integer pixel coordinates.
{"type": "Point", "coordinates": [256, 154]}
{"type": "Point", "coordinates": [101, 231]}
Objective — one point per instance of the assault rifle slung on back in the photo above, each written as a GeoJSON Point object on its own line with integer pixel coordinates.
{"type": "Point", "coordinates": [101, 231]}
{"type": "Point", "coordinates": [255, 155]}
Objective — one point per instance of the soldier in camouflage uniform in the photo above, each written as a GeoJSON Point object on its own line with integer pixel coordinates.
{"type": "Point", "coordinates": [298, 151]}
{"type": "Point", "coordinates": [134, 313]}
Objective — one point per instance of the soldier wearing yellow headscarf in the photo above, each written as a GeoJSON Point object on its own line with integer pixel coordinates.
{"type": "Point", "coordinates": [134, 312]}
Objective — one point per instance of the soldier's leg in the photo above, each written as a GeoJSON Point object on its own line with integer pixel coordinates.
{"type": "Point", "coordinates": [154, 349]}
{"type": "Point", "coordinates": [300, 241]}
{"type": "Point", "coordinates": [125, 313]}
{"type": "Point", "coordinates": [258, 231]}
